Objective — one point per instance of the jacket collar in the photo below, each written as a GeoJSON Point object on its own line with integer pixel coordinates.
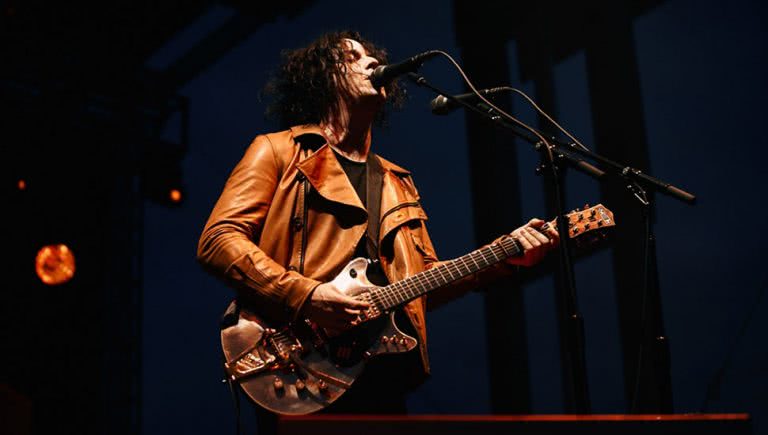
{"type": "Point", "coordinates": [316, 130]}
{"type": "Point", "coordinates": [326, 175]}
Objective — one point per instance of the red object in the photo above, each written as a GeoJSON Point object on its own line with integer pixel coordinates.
{"type": "Point", "coordinates": [550, 424]}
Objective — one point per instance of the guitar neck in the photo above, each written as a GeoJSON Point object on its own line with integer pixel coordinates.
{"type": "Point", "coordinates": [401, 292]}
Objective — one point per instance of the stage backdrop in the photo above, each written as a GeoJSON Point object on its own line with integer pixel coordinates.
{"type": "Point", "coordinates": [702, 68]}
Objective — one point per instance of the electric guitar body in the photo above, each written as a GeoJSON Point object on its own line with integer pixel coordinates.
{"type": "Point", "coordinates": [328, 362]}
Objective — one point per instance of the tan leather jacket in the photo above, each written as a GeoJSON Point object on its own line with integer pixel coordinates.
{"type": "Point", "coordinates": [253, 237]}
{"type": "Point", "coordinates": [258, 236]}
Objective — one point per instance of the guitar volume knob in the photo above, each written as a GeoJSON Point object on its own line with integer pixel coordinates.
{"type": "Point", "coordinates": [278, 384]}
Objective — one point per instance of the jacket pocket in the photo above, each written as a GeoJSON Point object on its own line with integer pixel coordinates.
{"type": "Point", "coordinates": [405, 214]}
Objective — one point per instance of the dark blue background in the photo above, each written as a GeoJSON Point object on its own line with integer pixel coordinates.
{"type": "Point", "coordinates": [702, 69]}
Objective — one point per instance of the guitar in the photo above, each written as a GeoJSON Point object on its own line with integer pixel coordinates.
{"type": "Point", "coordinates": [300, 368]}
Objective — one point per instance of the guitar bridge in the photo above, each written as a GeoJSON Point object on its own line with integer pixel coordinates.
{"type": "Point", "coordinates": [272, 351]}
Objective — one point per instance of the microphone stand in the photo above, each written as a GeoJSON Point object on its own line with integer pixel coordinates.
{"type": "Point", "coordinates": [551, 157]}
{"type": "Point", "coordinates": [555, 152]}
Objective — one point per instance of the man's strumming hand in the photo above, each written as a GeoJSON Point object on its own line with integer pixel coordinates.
{"type": "Point", "coordinates": [332, 309]}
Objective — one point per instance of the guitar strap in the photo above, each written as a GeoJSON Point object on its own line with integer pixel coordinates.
{"type": "Point", "coordinates": [374, 184]}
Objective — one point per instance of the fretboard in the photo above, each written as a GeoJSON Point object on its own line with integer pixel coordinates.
{"type": "Point", "coordinates": [401, 292]}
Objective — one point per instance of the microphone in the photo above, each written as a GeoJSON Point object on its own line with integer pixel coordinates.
{"type": "Point", "coordinates": [385, 74]}
{"type": "Point", "coordinates": [441, 105]}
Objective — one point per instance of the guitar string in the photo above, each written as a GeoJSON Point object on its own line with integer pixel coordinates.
{"type": "Point", "coordinates": [428, 279]}
{"type": "Point", "coordinates": [397, 293]}
{"type": "Point", "coordinates": [432, 277]}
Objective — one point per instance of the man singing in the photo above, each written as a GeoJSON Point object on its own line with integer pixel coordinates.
{"type": "Point", "coordinates": [304, 201]}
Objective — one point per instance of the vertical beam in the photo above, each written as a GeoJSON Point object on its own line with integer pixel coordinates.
{"type": "Point", "coordinates": [620, 134]}
{"type": "Point", "coordinates": [496, 207]}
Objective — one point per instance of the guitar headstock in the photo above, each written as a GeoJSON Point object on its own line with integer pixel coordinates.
{"type": "Point", "coordinates": [593, 221]}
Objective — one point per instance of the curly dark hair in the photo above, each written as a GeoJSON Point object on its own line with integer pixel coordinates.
{"type": "Point", "coordinates": [306, 86]}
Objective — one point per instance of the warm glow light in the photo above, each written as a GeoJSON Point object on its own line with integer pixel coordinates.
{"type": "Point", "coordinates": [22, 184]}
{"type": "Point", "coordinates": [55, 264]}
{"type": "Point", "coordinates": [175, 195]}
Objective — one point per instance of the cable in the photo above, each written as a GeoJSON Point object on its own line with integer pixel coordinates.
{"type": "Point", "coordinates": [544, 114]}
{"type": "Point", "coordinates": [474, 90]}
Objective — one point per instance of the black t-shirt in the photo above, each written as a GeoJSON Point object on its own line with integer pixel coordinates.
{"type": "Point", "coordinates": [357, 174]}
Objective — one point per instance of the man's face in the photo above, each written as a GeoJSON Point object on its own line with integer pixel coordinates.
{"type": "Point", "coordinates": [359, 67]}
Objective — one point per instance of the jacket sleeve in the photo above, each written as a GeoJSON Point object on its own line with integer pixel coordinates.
{"type": "Point", "coordinates": [227, 249]}
{"type": "Point", "coordinates": [475, 281]}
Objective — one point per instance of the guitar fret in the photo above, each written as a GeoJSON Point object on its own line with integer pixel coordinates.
{"type": "Point", "coordinates": [393, 294]}
{"type": "Point", "coordinates": [389, 296]}
{"type": "Point", "coordinates": [448, 269]}
{"type": "Point", "coordinates": [402, 292]}
{"type": "Point", "coordinates": [485, 258]}
{"type": "Point", "coordinates": [433, 278]}
{"type": "Point", "coordinates": [495, 257]}
{"type": "Point", "coordinates": [422, 283]}
{"type": "Point", "coordinates": [417, 278]}
{"type": "Point", "coordinates": [439, 274]}
{"type": "Point", "coordinates": [465, 265]}
{"type": "Point", "coordinates": [398, 291]}
{"type": "Point", "coordinates": [471, 257]}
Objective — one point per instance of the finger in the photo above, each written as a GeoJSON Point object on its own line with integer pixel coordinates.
{"type": "Point", "coordinates": [541, 237]}
{"type": "Point", "coordinates": [528, 234]}
{"type": "Point", "coordinates": [349, 302]}
{"type": "Point", "coordinates": [351, 313]}
{"type": "Point", "coordinates": [554, 235]}
{"type": "Point", "coordinates": [535, 222]}
{"type": "Point", "coordinates": [523, 241]}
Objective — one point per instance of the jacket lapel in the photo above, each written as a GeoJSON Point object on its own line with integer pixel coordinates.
{"type": "Point", "coordinates": [326, 175]}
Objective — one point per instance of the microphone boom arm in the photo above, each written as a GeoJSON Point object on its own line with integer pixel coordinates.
{"type": "Point", "coordinates": [564, 150]}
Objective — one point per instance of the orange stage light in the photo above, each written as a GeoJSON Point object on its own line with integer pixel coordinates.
{"type": "Point", "coordinates": [175, 195]}
{"type": "Point", "coordinates": [22, 184]}
{"type": "Point", "coordinates": [55, 264]}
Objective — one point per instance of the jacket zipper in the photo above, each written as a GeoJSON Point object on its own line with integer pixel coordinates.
{"type": "Point", "coordinates": [303, 227]}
